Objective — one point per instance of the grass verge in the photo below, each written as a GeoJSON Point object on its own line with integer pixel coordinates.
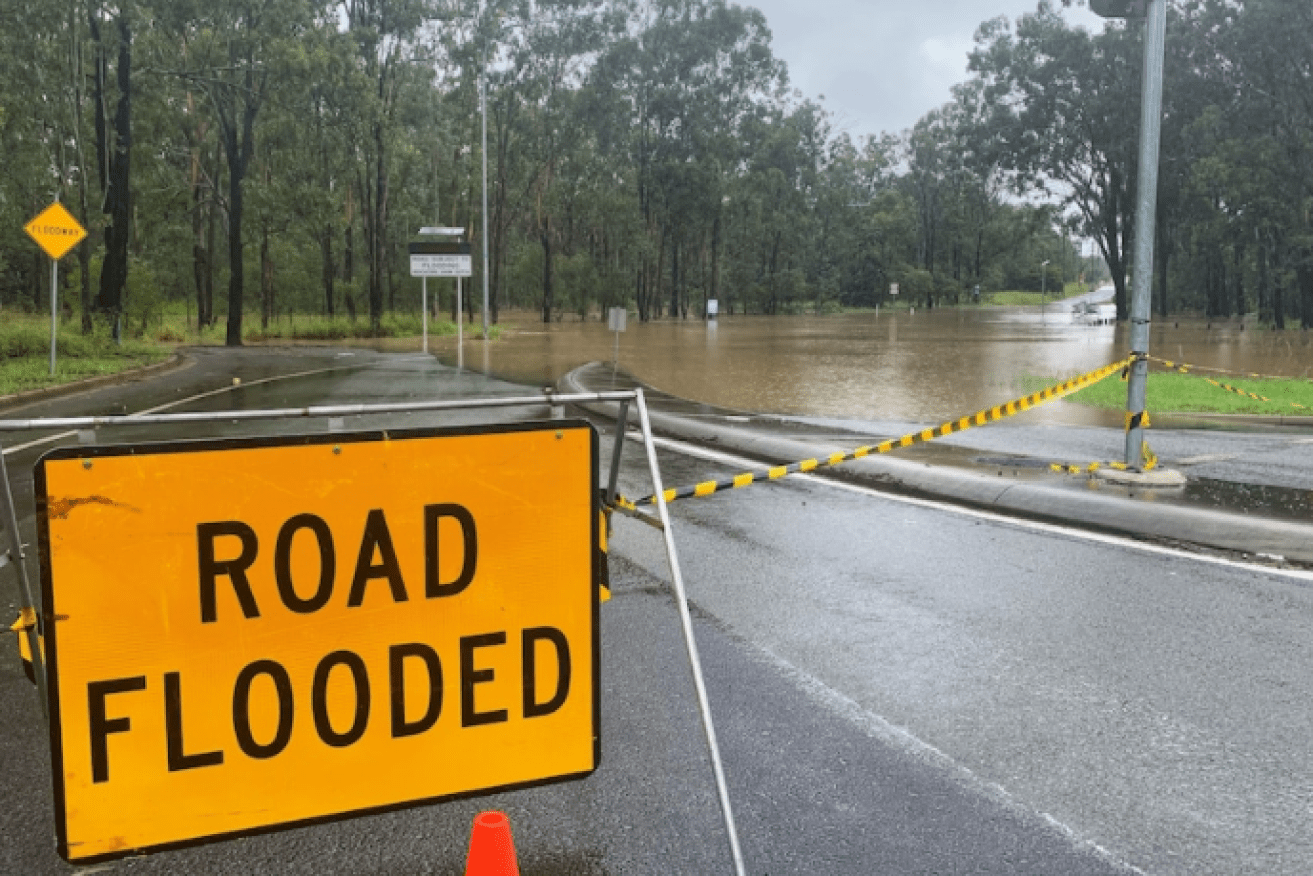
{"type": "Point", "coordinates": [1169, 392]}
{"type": "Point", "coordinates": [25, 355]}
{"type": "Point", "coordinates": [25, 342]}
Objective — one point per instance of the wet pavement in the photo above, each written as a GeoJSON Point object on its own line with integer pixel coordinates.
{"type": "Point", "coordinates": [899, 689]}
{"type": "Point", "coordinates": [1259, 472]}
{"type": "Point", "coordinates": [815, 788]}
{"type": "Point", "coordinates": [1246, 493]}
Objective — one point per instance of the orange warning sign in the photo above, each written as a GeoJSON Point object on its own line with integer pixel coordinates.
{"type": "Point", "coordinates": [244, 634]}
{"type": "Point", "coordinates": [55, 230]}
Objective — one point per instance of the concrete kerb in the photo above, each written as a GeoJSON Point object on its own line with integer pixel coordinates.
{"type": "Point", "coordinates": [1264, 540]}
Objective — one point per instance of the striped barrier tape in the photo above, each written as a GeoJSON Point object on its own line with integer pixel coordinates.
{"type": "Point", "coordinates": [1150, 462]}
{"type": "Point", "coordinates": [27, 621]}
{"type": "Point", "coordinates": [1181, 368]}
{"type": "Point", "coordinates": [1255, 396]}
{"type": "Point", "coordinates": [980, 418]}
{"type": "Point", "coordinates": [1187, 368]}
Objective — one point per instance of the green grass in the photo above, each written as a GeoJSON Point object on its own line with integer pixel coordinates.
{"type": "Point", "coordinates": [25, 354]}
{"type": "Point", "coordinates": [1013, 297]}
{"type": "Point", "coordinates": [1168, 392]}
{"type": "Point", "coordinates": [25, 342]}
{"type": "Point", "coordinates": [323, 328]}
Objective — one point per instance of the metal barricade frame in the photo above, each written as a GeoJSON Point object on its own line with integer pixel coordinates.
{"type": "Point", "coordinates": [84, 427]}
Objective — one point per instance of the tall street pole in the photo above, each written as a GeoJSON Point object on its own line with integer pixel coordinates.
{"type": "Point", "coordinates": [1043, 289]}
{"type": "Point", "coordinates": [1151, 103]}
{"type": "Point", "coordinates": [484, 150]}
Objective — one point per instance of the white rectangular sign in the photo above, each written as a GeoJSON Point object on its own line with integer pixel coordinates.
{"type": "Point", "coordinates": [441, 265]}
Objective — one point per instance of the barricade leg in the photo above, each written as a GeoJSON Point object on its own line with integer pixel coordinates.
{"type": "Point", "coordinates": [686, 621]}
{"type": "Point", "coordinates": [34, 631]}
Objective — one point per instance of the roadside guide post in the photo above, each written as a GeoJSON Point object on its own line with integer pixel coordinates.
{"type": "Point", "coordinates": [1151, 103]}
{"type": "Point", "coordinates": [615, 321]}
{"type": "Point", "coordinates": [56, 231]}
{"type": "Point", "coordinates": [441, 259]}
{"type": "Point", "coordinates": [1043, 290]}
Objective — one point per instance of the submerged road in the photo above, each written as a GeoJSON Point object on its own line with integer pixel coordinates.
{"type": "Point", "coordinates": [899, 687]}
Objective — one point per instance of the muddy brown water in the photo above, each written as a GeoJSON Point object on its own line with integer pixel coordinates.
{"type": "Point", "coordinates": [923, 366]}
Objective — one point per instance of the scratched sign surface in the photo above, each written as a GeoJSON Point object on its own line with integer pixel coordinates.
{"type": "Point", "coordinates": [247, 634]}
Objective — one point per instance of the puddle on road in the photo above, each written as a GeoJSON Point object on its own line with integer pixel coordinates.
{"type": "Point", "coordinates": [1252, 499]}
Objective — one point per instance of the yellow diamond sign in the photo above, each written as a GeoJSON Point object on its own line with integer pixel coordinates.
{"type": "Point", "coordinates": [55, 230]}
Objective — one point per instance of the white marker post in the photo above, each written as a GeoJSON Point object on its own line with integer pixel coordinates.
{"type": "Point", "coordinates": [615, 320]}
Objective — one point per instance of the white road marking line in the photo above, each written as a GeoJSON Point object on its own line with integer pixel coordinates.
{"type": "Point", "coordinates": [50, 439]}
{"type": "Point", "coordinates": [878, 727]}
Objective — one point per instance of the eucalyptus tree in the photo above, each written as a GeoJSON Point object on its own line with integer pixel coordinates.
{"type": "Point", "coordinates": [1268, 42]}
{"type": "Point", "coordinates": [1062, 114]}
{"type": "Point", "coordinates": [320, 119]}
{"type": "Point", "coordinates": [392, 59]}
{"type": "Point", "coordinates": [682, 78]}
{"type": "Point", "coordinates": [235, 54]}
{"type": "Point", "coordinates": [929, 181]}
{"type": "Point", "coordinates": [782, 180]}
{"type": "Point", "coordinates": [43, 133]}
{"type": "Point", "coordinates": [535, 66]}
{"type": "Point", "coordinates": [870, 224]}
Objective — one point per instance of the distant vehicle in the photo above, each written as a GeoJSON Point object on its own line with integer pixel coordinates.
{"type": "Point", "coordinates": [1094, 314]}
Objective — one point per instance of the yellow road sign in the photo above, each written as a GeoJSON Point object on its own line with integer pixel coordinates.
{"type": "Point", "coordinates": [246, 634]}
{"type": "Point", "coordinates": [55, 230]}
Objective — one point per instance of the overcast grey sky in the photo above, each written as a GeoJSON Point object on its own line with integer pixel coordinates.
{"type": "Point", "coordinates": [882, 64]}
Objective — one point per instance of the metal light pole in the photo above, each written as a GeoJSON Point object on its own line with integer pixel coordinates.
{"type": "Point", "coordinates": [484, 150]}
{"type": "Point", "coordinates": [1043, 288]}
{"type": "Point", "coordinates": [1151, 103]}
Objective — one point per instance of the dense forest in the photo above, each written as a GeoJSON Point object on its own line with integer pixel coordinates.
{"type": "Point", "coordinates": [251, 158]}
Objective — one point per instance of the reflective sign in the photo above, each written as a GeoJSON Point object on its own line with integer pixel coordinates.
{"type": "Point", "coordinates": [55, 230]}
{"type": "Point", "coordinates": [244, 634]}
{"type": "Point", "coordinates": [441, 266]}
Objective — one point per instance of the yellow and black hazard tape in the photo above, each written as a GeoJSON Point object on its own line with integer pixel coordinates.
{"type": "Point", "coordinates": [1255, 396]}
{"type": "Point", "coordinates": [26, 622]}
{"type": "Point", "coordinates": [980, 418]}
{"type": "Point", "coordinates": [1181, 368]}
{"type": "Point", "coordinates": [1150, 462]}
{"type": "Point", "coordinates": [1186, 368]}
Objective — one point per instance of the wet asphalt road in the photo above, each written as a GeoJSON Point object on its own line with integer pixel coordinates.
{"type": "Point", "coordinates": [898, 689]}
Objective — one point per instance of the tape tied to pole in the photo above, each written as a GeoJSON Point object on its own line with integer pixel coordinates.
{"type": "Point", "coordinates": [980, 418]}
{"type": "Point", "coordinates": [1182, 368]}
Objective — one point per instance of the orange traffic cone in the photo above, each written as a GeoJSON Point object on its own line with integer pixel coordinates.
{"type": "Point", "coordinates": [492, 853]}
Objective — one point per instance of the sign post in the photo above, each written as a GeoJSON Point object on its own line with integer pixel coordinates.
{"type": "Point", "coordinates": [441, 259]}
{"type": "Point", "coordinates": [615, 321]}
{"type": "Point", "coordinates": [337, 624]}
{"type": "Point", "coordinates": [56, 231]}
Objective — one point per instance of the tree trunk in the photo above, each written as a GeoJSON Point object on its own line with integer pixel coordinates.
{"type": "Point", "coordinates": [1264, 290]}
{"type": "Point", "coordinates": [266, 280]}
{"type": "Point", "coordinates": [675, 279]}
{"type": "Point", "coordinates": [1162, 256]}
{"type": "Point", "coordinates": [233, 338]}
{"type": "Point", "coordinates": [211, 247]}
{"type": "Point", "coordinates": [715, 264]}
{"type": "Point", "coordinates": [1304, 274]}
{"type": "Point", "coordinates": [1238, 278]}
{"type": "Point", "coordinates": [118, 196]}
{"type": "Point", "coordinates": [546, 237]}
{"type": "Point", "coordinates": [328, 268]}
{"type": "Point", "coordinates": [1278, 289]}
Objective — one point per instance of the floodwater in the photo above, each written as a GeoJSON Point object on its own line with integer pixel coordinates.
{"type": "Point", "coordinates": [922, 366]}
